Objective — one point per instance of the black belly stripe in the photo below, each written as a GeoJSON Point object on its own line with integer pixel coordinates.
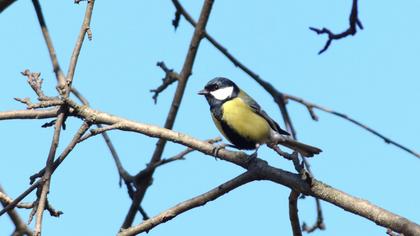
{"type": "Point", "coordinates": [236, 139]}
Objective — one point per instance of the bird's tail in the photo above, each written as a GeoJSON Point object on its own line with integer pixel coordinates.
{"type": "Point", "coordinates": [304, 149]}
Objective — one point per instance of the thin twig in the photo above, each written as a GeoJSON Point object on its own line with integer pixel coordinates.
{"type": "Point", "coordinates": [180, 156]}
{"type": "Point", "coordinates": [124, 175]}
{"type": "Point", "coordinates": [97, 131]}
{"type": "Point", "coordinates": [170, 78]}
{"type": "Point", "coordinates": [56, 66]}
{"type": "Point", "coordinates": [79, 42]}
{"type": "Point", "coordinates": [6, 200]}
{"type": "Point", "coordinates": [310, 106]}
{"type": "Point", "coordinates": [319, 223]}
{"type": "Point", "coordinates": [18, 199]}
{"type": "Point", "coordinates": [82, 130]}
{"type": "Point", "coordinates": [182, 207]}
{"type": "Point", "coordinates": [354, 22]}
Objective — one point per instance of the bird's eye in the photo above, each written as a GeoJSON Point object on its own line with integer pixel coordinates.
{"type": "Point", "coordinates": [213, 87]}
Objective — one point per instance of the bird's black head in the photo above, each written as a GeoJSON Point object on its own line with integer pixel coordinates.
{"type": "Point", "coordinates": [219, 90]}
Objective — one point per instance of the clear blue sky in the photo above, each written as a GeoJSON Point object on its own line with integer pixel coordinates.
{"type": "Point", "coordinates": [373, 76]}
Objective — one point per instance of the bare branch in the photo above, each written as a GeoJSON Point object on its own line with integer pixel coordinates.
{"type": "Point", "coordinates": [97, 131]}
{"type": "Point", "coordinates": [20, 227]}
{"type": "Point", "coordinates": [170, 78]}
{"type": "Point", "coordinates": [182, 207]}
{"type": "Point", "coordinates": [57, 69]}
{"type": "Point", "coordinates": [293, 213]}
{"type": "Point", "coordinates": [293, 181]}
{"type": "Point", "coordinates": [310, 106]}
{"type": "Point", "coordinates": [28, 114]}
{"type": "Point", "coordinates": [319, 223]}
{"type": "Point", "coordinates": [79, 42]}
{"type": "Point", "coordinates": [82, 130]}
{"type": "Point", "coordinates": [6, 200]}
{"type": "Point", "coordinates": [124, 175]}
{"type": "Point", "coordinates": [173, 111]}
{"type": "Point", "coordinates": [354, 22]}
{"type": "Point", "coordinates": [317, 189]}
{"type": "Point", "coordinates": [13, 204]}
{"type": "Point", "coordinates": [35, 82]}
{"type": "Point", "coordinates": [5, 3]}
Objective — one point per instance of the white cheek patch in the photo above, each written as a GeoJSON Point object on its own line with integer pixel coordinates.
{"type": "Point", "coordinates": [223, 93]}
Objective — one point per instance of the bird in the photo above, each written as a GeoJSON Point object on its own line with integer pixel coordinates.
{"type": "Point", "coordinates": [242, 121]}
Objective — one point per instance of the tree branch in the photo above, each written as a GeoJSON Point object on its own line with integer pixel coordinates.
{"type": "Point", "coordinates": [20, 227]}
{"type": "Point", "coordinates": [56, 66]}
{"type": "Point", "coordinates": [182, 207]}
{"type": "Point", "coordinates": [144, 183]}
{"type": "Point", "coordinates": [124, 175]}
{"type": "Point", "coordinates": [354, 22]}
{"type": "Point", "coordinates": [170, 78]}
{"type": "Point", "coordinates": [310, 106]}
{"type": "Point", "coordinates": [5, 3]}
{"type": "Point", "coordinates": [293, 213]}
{"type": "Point", "coordinates": [316, 189]}
{"type": "Point", "coordinates": [79, 42]}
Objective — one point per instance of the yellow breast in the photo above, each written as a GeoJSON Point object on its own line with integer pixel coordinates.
{"type": "Point", "coordinates": [239, 116]}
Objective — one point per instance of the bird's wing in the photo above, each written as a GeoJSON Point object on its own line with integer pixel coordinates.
{"type": "Point", "coordinates": [257, 109]}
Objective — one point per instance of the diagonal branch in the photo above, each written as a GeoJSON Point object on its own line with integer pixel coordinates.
{"type": "Point", "coordinates": [56, 66]}
{"type": "Point", "coordinates": [41, 173]}
{"type": "Point", "coordinates": [79, 42]}
{"type": "Point", "coordinates": [182, 207]}
{"type": "Point", "coordinates": [310, 106]}
{"type": "Point", "coordinates": [143, 183]}
{"type": "Point", "coordinates": [20, 227]}
{"type": "Point", "coordinates": [354, 22]}
{"type": "Point", "coordinates": [5, 3]}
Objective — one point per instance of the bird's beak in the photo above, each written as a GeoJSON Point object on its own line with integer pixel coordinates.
{"type": "Point", "coordinates": [203, 92]}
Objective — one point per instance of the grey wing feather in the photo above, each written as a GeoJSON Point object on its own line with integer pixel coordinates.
{"type": "Point", "coordinates": [257, 109]}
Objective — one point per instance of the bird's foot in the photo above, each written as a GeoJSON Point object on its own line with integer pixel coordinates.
{"type": "Point", "coordinates": [219, 146]}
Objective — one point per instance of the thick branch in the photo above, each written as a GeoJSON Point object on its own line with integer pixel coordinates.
{"type": "Point", "coordinates": [182, 207]}
{"type": "Point", "coordinates": [5, 3]}
{"type": "Point", "coordinates": [317, 189]}
{"type": "Point", "coordinates": [28, 114]}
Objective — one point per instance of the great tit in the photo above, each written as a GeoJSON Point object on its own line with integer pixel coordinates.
{"type": "Point", "coordinates": [242, 121]}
